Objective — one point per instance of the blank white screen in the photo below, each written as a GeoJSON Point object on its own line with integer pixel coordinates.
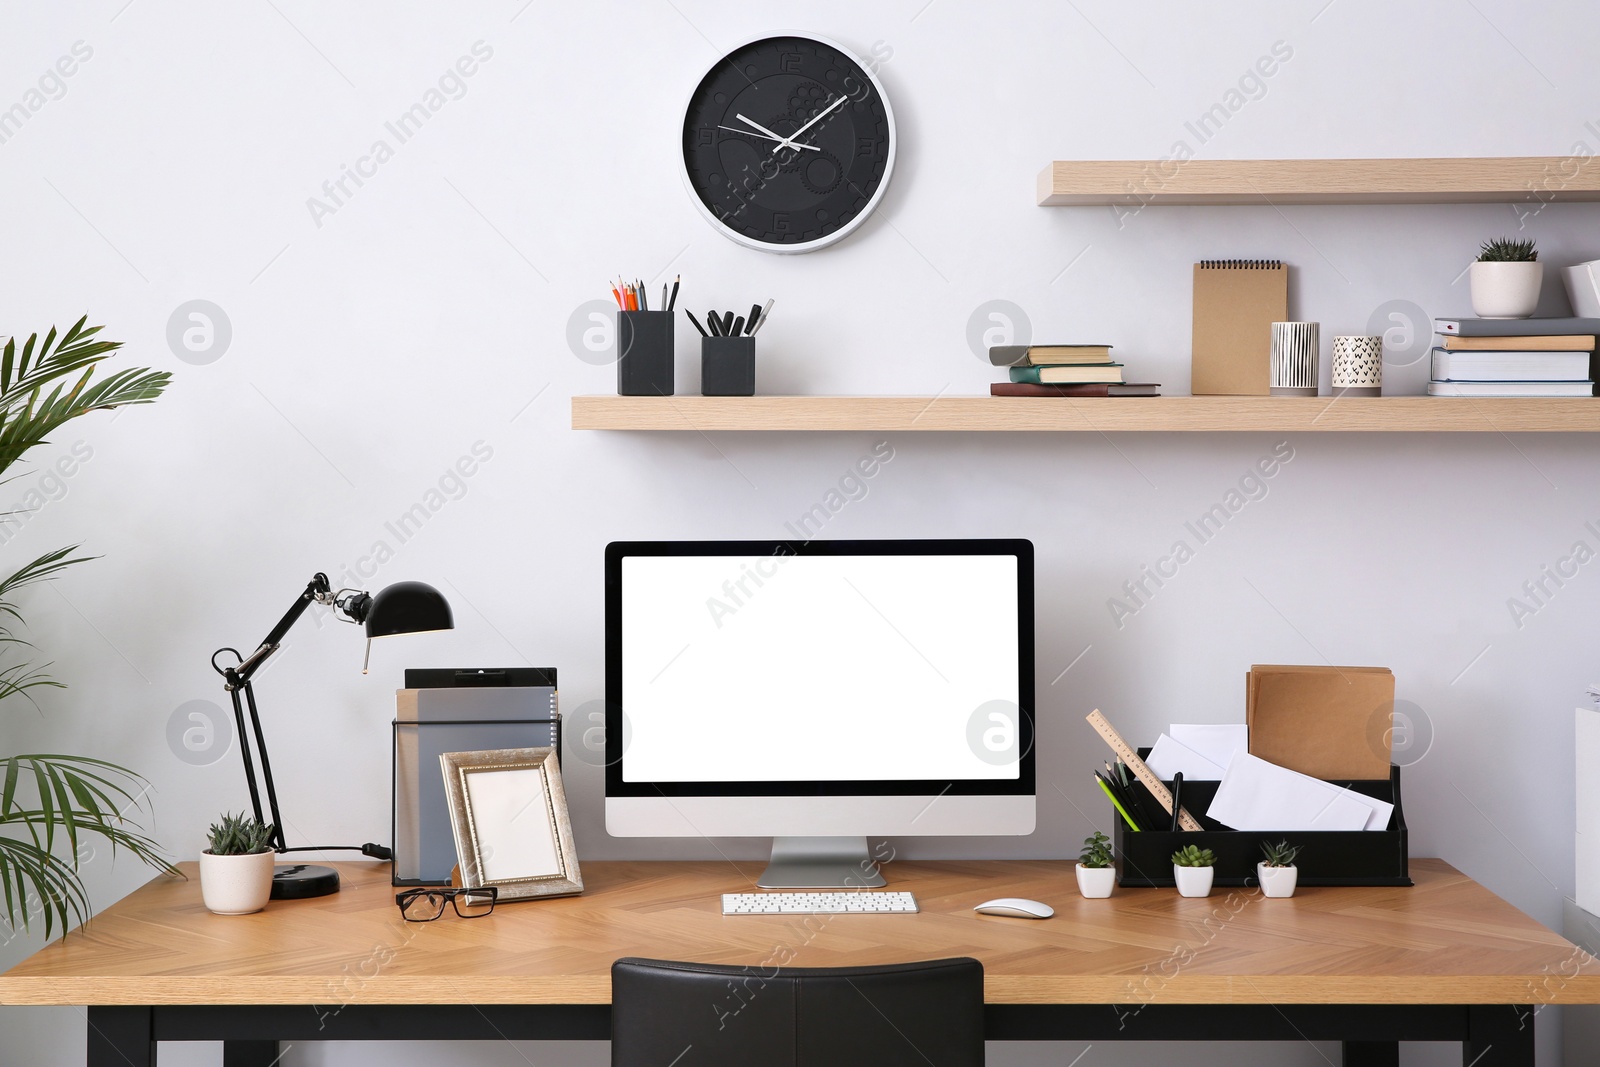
{"type": "Point", "coordinates": [832, 668]}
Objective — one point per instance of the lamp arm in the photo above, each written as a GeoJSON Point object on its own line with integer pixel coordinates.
{"type": "Point", "coordinates": [317, 589]}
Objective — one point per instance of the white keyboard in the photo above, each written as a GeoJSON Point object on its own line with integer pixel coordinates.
{"type": "Point", "coordinates": [803, 903]}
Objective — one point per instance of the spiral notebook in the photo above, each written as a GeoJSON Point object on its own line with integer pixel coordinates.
{"type": "Point", "coordinates": [1236, 301]}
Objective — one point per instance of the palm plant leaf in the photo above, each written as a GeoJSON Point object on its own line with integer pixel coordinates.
{"type": "Point", "coordinates": [43, 385]}
{"type": "Point", "coordinates": [82, 796]}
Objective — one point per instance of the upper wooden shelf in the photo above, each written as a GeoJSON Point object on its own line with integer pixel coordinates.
{"type": "Point", "coordinates": [1318, 181]}
{"type": "Point", "coordinates": [1121, 414]}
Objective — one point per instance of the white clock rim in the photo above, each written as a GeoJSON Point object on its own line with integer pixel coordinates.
{"type": "Point", "coordinates": [842, 232]}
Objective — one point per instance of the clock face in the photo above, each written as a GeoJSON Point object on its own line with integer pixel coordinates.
{"type": "Point", "coordinates": [788, 144]}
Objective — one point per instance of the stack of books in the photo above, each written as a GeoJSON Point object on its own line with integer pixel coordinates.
{"type": "Point", "coordinates": [1063, 370]}
{"type": "Point", "coordinates": [1513, 357]}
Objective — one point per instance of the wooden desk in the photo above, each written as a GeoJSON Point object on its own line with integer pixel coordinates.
{"type": "Point", "coordinates": [1444, 960]}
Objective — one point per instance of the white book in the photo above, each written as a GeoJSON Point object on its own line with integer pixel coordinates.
{"type": "Point", "coordinates": [1460, 366]}
{"type": "Point", "coordinates": [1541, 389]}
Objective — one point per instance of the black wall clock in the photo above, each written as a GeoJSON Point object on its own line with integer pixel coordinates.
{"type": "Point", "coordinates": [788, 143]}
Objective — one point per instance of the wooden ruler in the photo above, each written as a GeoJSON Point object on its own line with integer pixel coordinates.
{"type": "Point", "coordinates": [1131, 760]}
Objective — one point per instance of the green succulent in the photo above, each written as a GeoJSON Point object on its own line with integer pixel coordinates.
{"type": "Point", "coordinates": [1096, 851]}
{"type": "Point", "coordinates": [239, 835]}
{"type": "Point", "coordinates": [1280, 855]}
{"type": "Point", "coordinates": [1193, 856]}
{"type": "Point", "coordinates": [1505, 250]}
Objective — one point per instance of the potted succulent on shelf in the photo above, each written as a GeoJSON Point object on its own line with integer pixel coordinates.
{"type": "Point", "coordinates": [236, 871]}
{"type": "Point", "coordinates": [1506, 279]}
{"type": "Point", "coordinates": [1096, 875]}
{"type": "Point", "coordinates": [1277, 872]}
{"type": "Point", "coordinates": [1193, 869]}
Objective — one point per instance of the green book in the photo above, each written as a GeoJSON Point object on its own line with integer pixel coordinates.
{"type": "Point", "coordinates": [1090, 372]}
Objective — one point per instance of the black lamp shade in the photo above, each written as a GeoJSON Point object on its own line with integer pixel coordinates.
{"type": "Point", "coordinates": [408, 608]}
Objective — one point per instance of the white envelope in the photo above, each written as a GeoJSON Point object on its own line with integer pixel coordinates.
{"type": "Point", "coordinates": [1217, 742]}
{"type": "Point", "coordinates": [1168, 757]}
{"type": "Point", "coordinates": [1257, 795]}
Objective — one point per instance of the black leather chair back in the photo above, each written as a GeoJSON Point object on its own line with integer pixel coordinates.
{"type": "Point", "coordinates": [666, 1014]}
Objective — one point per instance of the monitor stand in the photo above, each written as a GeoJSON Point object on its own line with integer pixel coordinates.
{"type": "Point", "coordinates": [821, 863]}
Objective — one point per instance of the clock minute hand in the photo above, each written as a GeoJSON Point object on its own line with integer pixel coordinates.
{"type": "Point", "coordinates": [783, 142]}
{"type": "Point", "coordinates": [774, 137]}
{"type": "Point", "coordinates": [821, 115]}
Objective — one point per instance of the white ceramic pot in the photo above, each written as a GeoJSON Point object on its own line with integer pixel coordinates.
{"type": "Point", "coordinates": [1506, 290]}
{"type": "Point", "coordinates": [236, 885]}
{"type": "Point", "coordinates": [1277, 881]}
{"type": "Point", "coordinates": [1193, 881]}
{"type": "Point", "coordinates": [1096, 881]}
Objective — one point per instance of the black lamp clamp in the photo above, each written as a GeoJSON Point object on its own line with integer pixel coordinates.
{"type": "Point", "coordinates": [405, 607]}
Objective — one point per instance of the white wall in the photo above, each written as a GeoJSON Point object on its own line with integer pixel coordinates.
{"type": "Point", "coordinates": [430, 312]}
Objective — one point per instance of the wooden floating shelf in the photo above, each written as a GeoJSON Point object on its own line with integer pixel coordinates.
{"type": "Point", "coordinates": [1132, 183]}
{"type": "Point", "coordinates": [1226, 414]}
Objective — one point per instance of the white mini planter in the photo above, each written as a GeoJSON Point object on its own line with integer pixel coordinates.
{"type": "Point", "coordinates": [1277, 881]}
{"type": "Point", "coordinates": [1193, 881]}
{"type": "Point", "coordinates": [236, 885]}
{"type": "Point", "coordinates": [1096, 882]}
{"type": "Point", "coordinates": [1506, 290]}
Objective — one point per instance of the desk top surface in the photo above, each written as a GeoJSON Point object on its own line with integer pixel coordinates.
{"type": "Point", "coordinates": [1447, 940]}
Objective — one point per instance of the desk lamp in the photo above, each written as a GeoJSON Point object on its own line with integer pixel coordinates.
{"type": "Point", "coordinates": [402, 608]}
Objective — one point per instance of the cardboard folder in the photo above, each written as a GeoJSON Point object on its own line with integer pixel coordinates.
{"type": "Point", "coordinates": [1236, 301]}
{"type": "Point", "coordinates": [1328, 722]}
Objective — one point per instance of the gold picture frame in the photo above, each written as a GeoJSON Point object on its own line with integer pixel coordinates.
{"type": "Point", "coordinates": [508, 812]}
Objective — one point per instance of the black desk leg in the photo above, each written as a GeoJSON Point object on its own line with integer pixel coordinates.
{"type": "Point", "coordinates": [1501, 1035]}
{"type": "Point", "coordinates": [249, 1053]}
{"type": "Point", "coordinates": [121, 1037]}
{"type": "Point", "coordinates": [1371, 1054]}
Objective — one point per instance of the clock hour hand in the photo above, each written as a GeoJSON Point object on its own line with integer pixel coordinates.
{"type": "Point", "coordinates": [774, 137]}
{"type": "Point", "coordinates": [820, 116]}
{"type": "Point", "coordinates": [783, 142]}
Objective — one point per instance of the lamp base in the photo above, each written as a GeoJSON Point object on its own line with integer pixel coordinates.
{"type": "Point", "coordinates": [298, 881]}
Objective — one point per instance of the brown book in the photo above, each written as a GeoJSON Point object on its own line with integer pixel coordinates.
{"type": "Point", "coordinates": [1236, 301]}
{"type": "Point", "coordinates": [1561, 342]}
{"type": "Point", "coordinates": [1081, 389]}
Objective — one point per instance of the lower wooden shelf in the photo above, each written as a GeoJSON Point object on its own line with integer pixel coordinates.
{"type": "Point", "coordinates": [1215, 414]}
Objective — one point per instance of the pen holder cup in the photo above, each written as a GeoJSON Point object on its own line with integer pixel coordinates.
{"type": "Point", "coordinates": [644, 353]}
{"type": "Point", "coordinates": [728, 366]}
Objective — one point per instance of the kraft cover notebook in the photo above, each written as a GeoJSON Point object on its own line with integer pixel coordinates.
{"type": "Point", "coordinates": [1236, 301]}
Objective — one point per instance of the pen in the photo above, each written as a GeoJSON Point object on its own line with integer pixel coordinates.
{"type": "Point", "coordinates": [738, 327]}
{"type": "Point", "coordinates": [673, 302]}
{"type": "Point", "coordinates": [695, 323]}
{"type": "Point", "coordinates": [750, 323]}
{"type": "Point", "coordinates": [1177, 798]}
{"type": "Point", "coordinates": [764, 313]}
{"type": "Point", "coordinates": [727, 324]}
{"type": "Point", "coordinates": [712, 324]}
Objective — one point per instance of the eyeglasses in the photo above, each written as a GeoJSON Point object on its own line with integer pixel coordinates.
{"type": "Point", "coordinates": [426, 905]}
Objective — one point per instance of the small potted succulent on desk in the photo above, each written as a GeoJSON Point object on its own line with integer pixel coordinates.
{"type": "Point", "coordinates": [236, 871]}
{"type": "Point", "coordinates": [1277, 871]}
{"type": "Point", "coordinates": [1193, 868]}
{"type": "Point", "coordinates": [1506, 279]}
{"type": "Point", "coordinates": [1096, 875]}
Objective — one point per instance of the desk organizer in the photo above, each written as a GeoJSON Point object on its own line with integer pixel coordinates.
{"type": "Point", "coordinates": [645, 359]}
{"type": "Point", "coordinates": [1345, 857]}
{"type": "Point", "coordinates": [728, 366]}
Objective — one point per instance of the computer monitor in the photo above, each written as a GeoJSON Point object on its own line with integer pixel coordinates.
{"type": "Point", "coordinates": [817, 692]}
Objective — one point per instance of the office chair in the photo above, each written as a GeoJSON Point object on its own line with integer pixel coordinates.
{"type": "Point", "coordinates": [704, 1015]}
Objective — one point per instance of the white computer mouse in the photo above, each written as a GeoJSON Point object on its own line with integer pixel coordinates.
{"type": "Point", "coordinates": [1016, 908]}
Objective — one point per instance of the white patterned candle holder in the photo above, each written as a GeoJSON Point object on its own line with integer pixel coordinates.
{"type": "Point", "coordinates": [1357, 366]}
{"type": "Point", "coordinates": [1294, 359]}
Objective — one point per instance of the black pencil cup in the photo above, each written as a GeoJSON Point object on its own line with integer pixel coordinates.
{"type": "Point", "coordinates": [728, 366]}
{"type": "Point", "coordinates": [644, 353]}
